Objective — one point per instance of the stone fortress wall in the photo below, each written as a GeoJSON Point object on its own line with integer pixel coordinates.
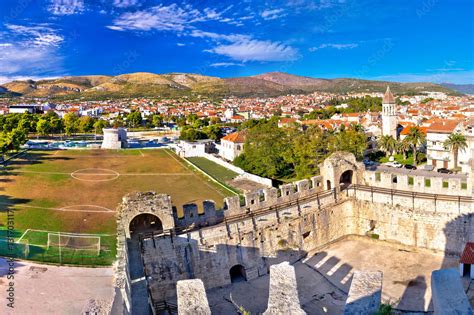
{"type": "Point", "coordinates": [276, 225]}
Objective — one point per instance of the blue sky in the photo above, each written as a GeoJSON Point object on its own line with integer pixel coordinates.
{"type": "Point", "coordinates": [402, 40]}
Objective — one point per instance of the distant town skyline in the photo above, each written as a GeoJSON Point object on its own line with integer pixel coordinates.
{"type": "Point", "coordinates": [406, 41]}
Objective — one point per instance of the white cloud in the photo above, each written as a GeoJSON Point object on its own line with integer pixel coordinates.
{"type": "Point", "coordinates": [272, 14]}
{"type": "Point", "coordinates": [216, 36]}
{"type": "Point", "coordinates": [165, 18]}
{"type": "Point", "coordinates": [125, 3]}
{"type": "Point", "coordinates": [36, 35]}
{"type": "Point", "coordinates": [226, 64]}
{"type": "Point", "coordinates": [335, 46]}
{"type": "Point", "coordinates": [180, 44]}
{"type": "Point", "coordinates": [66, 7]}
{"type": "Point", "coordinates": [257, 50]}
{"type": "Point", "coordinates": [30, 49]}
{"type": "Point", "coordinates": [17, 59]}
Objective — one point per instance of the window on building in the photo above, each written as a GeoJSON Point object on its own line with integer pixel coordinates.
{"type": "Point", "coordinates": [463, 185]}
{"type": "Point", "coordinates": [445, 184]}
{"type": "Point", "coordinates": [427, 182]}
{"type": "Point", "coordinates": [378, 178]}
{"type": "Point", "coordinates": [411, 180]}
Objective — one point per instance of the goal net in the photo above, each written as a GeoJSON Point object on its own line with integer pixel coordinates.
{"type": "Point", "coordinates": [80, 242]}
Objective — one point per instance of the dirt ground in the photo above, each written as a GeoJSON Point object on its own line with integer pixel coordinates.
{"type": "Point", "coordinates": [324, 278]}
{"type": "Point", "coordinates": [246, 185]}
{"type": "Point", "coordinates": [45, 289]}
{"type": "Point", "coordinates": [56, 190]}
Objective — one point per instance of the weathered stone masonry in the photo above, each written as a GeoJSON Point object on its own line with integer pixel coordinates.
{"type": "Point", "coordinates": [264, 234]}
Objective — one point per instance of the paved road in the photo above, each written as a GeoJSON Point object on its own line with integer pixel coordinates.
{"type": "Point", "coordinates": [47, 289]}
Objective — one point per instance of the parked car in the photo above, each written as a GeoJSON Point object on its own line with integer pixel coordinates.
{"type": "Point", "coordinates": [444, 170]}
{"type": "Point", "coordinates": [394, 164]}
{"type": "Point", "coordinates": [410, 167]}
{"type": "Point", "coordinates": [369, 163]}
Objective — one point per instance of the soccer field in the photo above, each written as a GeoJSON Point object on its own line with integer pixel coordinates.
{"type": "Point", "coordinates": [77, 191]}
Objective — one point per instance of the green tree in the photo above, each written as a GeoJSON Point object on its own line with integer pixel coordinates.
{"type": "Point", "coordinates": [416, 138]}
{"type": "Point", "coordinates": [213, 132]}
{"type": "Point", "coordinates": [157, 120]}
{"type": "Point", "coordinates": [264, 151]}
{"type": "Point", "coordinates": [134, 119]}
{"type": "Point", "coordinates": [388, 144]}
{"type": "Point", "coordinates": [70, 123]}
{"type": "Point", "coordinates": [403, 147]}
{"type": "Point", "coordinates": [99, 125]}
{"type": "Point", "coordinates": [189, 133]}
{"type": "Point", "coordinates": [456, 142]}
{"type": "Point", "coordinates": [43, 127]}
{"type": "Point", "coordinates": [86, 124]}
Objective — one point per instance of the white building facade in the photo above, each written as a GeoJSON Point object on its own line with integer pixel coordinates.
{"type": "Point", "coordinates": [232, 146]}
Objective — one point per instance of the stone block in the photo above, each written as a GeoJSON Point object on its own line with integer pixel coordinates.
{"type": "Point", "coordinates": [283, 295]}
{"type": "Point", "coordinates": [192, 299]}
{"type": "Point", "coordinates": [365, 293]}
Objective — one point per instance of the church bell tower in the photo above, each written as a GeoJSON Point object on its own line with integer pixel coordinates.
{"type": "Point", "coordinates": [389, 115]}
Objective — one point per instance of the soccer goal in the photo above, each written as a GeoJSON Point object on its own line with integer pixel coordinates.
{"type": "Point", "coordinates": [73, 241]}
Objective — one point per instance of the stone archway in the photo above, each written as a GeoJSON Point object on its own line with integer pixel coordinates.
{"type": "Point", "coordinates": [346, 179]}
{"type": "Point", "coordinates": [237, 274]}
{"type": "Point", "coordinates": [341, 169]}
{"type": "Point", "coordinates": [145, 208]}
{"type": "Point", "coordinates": [144, 223]}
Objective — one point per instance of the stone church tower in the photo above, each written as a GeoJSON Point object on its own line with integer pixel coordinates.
{"type": "Point", "coordinates": [389, 115]}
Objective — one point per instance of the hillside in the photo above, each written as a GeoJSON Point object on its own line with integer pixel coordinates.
{"type": "Point", "coordinates": [461, 88]}
{"type": "Point", "coordinates": [184, 84]}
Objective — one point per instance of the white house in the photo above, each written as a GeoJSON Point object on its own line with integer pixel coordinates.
{"type": "Point", "coordinates": [196, 148]}
{"type": "Point", "coordinates": [437, 133]}
{"type": "Point", "coordinates": [232, 145]}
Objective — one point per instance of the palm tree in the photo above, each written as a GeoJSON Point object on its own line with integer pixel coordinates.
{"type": "Point", "coordinates": [403, 146]}
{"type": "Point", "coordinates": [416, 138]}
{"type": "Point", "coordinates": [456, 142]}
{"type": "Point", "coordinates": [388, 144]}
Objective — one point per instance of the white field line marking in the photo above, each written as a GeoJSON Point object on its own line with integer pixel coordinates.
{"type": "Point", "coordinates": [105, 174]}
{"type": "Point", "coordinates": [70, 233]}
{"type": "Point", "coordinates": [56, 209]}
{"type": "Point", "coordinates": [57, 151]}
{"type": "Point", "coordinates": [141, 153]}
{"type": "Point", "coordinates": [22, 235]}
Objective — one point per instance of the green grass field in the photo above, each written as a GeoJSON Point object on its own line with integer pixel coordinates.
{"type": "Point", "coordinates": [217, 171]}
{"type": "Point", "coordinates": [78, 192]}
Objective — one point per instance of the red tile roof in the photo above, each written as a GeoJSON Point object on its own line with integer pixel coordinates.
{"type": "Point", "coordinates": [443, 126]}
{"type": "Point", "coordinates": [467, 256]}
{"type": "Point", "coordinates": [236, 137]}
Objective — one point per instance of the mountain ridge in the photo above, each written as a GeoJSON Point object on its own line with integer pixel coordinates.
{"type": "Point", "coordinates": [140, 84]}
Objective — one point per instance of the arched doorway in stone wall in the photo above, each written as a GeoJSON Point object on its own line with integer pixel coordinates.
{"type": "Point", "coordinates": [346, 179]}
{"type": "Point", "coordinates": [145, 222]}
{"type": "Point", "coordinates": [328, 184]}
{"type": "Point", "coordinates": [237, 274]}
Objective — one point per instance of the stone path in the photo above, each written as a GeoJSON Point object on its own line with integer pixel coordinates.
{"type": "Point", "coordinates": [137, 275]}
